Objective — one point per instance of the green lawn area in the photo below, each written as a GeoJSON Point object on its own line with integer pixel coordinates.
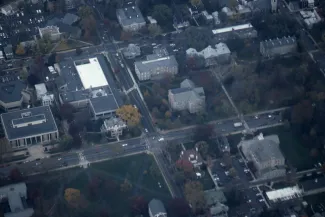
{"type": "Point", "coordinates": [69, 44]}
{"type": "Point", "coordinates": [292, 148]}
{"type": "Point", "coordinates": [140, 170]}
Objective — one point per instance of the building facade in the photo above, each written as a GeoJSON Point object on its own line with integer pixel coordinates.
{"type": "Point", "coordinates": [29, 126]}
{"type": "Point", "coordinates": [187, 97]}
{"type": "Point", "coordinates": [50, 31]}
{"type": "Point", "coordinates": [114, 125]}
{"type": "Point", "coordinates": [156, 67]}
{"type": "Point", "coordinates": [130, 18]}
{"type": "Point", "coordinates": [278, 46]}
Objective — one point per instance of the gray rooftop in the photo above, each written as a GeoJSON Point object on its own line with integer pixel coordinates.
{"type": "Point", "coordinates": [156, 206]}
{"type": "Point", "coordinates": [70, 19]}
{"type": "Point", "coordinates": [153, 64]}
{"type": "Point", "coordinates": [313, 184]}
{"type": "Point", "coordinates": [187, 91]}
{"type": "Point", "coordinates": [129, 15]}
{"type": "Point", "coordinates": [260, 5]}
{"type": "Point", "coordinates": [11, 91]}
{"type": "Point", "coordinates": [19, 124]}
{"type": "Point", "coordinates": [104, 104]}
{"type": "Point", "coordinates": [8, 49]}
{"type": "Point", "coordinates": [279, 42]}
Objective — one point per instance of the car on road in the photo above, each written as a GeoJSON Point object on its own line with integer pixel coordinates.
{"type": "Point", "coordinates": [123, 145]}
{"type": "Point", "coordinates": [146, 130]}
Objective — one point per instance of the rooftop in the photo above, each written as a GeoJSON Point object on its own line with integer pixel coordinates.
{"type": "Point", "coordinates": [284, 194]}
{"type": "Point", "coordinates": [90, 73]}
{"type": "Point", "coordinates": [148, 65]}
{"type": "Point", "coordinates": [313, 184]}
{"type": "Point", "coordinates": [104, 104]}
{"type": "Point", "coordinates": [233, 28]}
{"type": "Point", "coordinates": [28, 122]}
{"type": "Point", "coordinates": [156, 207]}
{"type": "Point", "coordinates": [130, 15]}
{"type": "Point", "coordinates": [278, 42]}
{"type": "Point", "coordinates": [70, 19]}
{"type": "Point", "coordinates": [11, 89]}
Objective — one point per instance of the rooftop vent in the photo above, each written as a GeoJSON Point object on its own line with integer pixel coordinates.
{"type": "Point", "coordinates": [26, 114]}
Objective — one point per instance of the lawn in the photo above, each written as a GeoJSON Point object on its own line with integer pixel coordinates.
{"type": "Point", "coordinates": [294, 150]}
{"type": "Point", "coordinates": [100, 184]}
{"type": "Point", "coordinates": [69, 44]}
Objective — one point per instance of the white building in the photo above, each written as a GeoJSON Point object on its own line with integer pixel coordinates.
{"type": "Point", "coordinates": [215, 16]}
{"type": "Point", "coordinates": [151, 20]}
{"type": "Point", "coordinates": [42, 95]}
{"type": "Point", "coordinates": [228, 11]}
{"type": "Point", "coordinates": [242, 31]}
{"type": "Point", "coordinates": [284, 194]}
{"type": "Point", "coordinates": [208, 17]}
{"type": "Point", "coordinates": [310, 18]}
{"type": "Point", "coordinates": [9, 9]}
{"type": "Point", "coordinates": [114, 125]}
{"type": "Point", "coordinates": [130, 18]}
{"type": "Point", "coordinates": [51, 31]}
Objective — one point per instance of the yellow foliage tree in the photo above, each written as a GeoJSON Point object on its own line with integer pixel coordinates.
{"type": "Point", "coordinates": [195, 2]}
{"type": "Point", "coordinates": [126, 186]}
{"type": "Point", "coordinates": [129, 114]}
{"type": "Point", "coordinates": [20, 50]}
{"type": "Point", "coordinates": [72, 196]}
{"type": "Point", "coordinates": [194, 195]}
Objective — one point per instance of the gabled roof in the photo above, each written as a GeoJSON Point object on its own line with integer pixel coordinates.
{"type": "Point", "coordinates": [156, 207]}
{"type": "Point", "coordinates": [70, 19]}
{"type": "Point", "coordinates": [130, 15]}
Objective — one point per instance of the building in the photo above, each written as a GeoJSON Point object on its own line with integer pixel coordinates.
{"type": "Point", "coordinates": [156, 67]}
{"type": "Point", "coordinates": [266, 156]}
{"type": "Point", "coordinates": [2, 57]}
{"type": "Point", "coordinates": [69, 4]}
{"type": "Point", "coordinates": [50, 31]}
{"type": "Point", "coordinates": [114, 125]}
{"type": "Point", "coordinates": [130, 18]}
{"type": "Point", "coordinates": [15, 196]}
{"type": "Point", "coordinates": [9, 9]}
{"type": "Point", "coordinates": [131, 51]}
{"type": "Point", "coordinates": [313, 186]}
{"type": "Point", "coordinates": [212, 56]}
{"type": "Point", "coordinates": [29, 126]}
{"type": "Point", "coordinates": [307, 3]}
{"type": "Point", "coordinates": [216, 19]}
{"type": "Point", "coordinates": [65, 29]}
{"type": "Point", "coordinates": [278, 46]}
{"type": "Point", "coordinates": [284, 194]}
{"type": "Point", "coordinates": [13, 93]}
{"type": "Point", "coordinates": [274, 6]}
{"type": "Point", "coordinates": [208, 17]}
{"type": "Point", "coordinates": [228, 11]}
{"type": "Point", "coordinates": [193, 156]}
{"type": "Point", "coordinates": [88, 83]}
{"type": "Point", "coordinates": [152, 20]}
{"type": "Point", "coordinates": [70, 19]}
{"type": "Point", "coordinates": [232, 32]}
{"type": "Point", "coordinates": [310, 18]}
{"type": "Point", "coordinates": [242, 10]}
{"type": "Point", "coordinates": [260, 5]}
{"type": "Point", "coordinates": [42, 94]}
{"type": "Point", "coordinates": [215, 200]}
{"type": "Point", "coordinates": [187, 97]}
{"type": "Point", "coordinates": [156, 208]}
{"type": "Point", "coordinates": [8, 51]}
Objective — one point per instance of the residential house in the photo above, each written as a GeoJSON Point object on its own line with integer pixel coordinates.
{"type": "Point", "coordinates": [65, 27]}
{"type": "Point", "coordinates": [266, 156]}
{"type": "Point", "coordinates": [215, 200]}
{"type": "Point", "coordinates": [13, 93]}
{"type": "Point", "coordinates": [42, 94]}
{"type": "Point", "coordinates": [70, 19]}
{"type": "Point", "coordinates": [2, 57]}
{"type": "Point", "coordinates": [208, 17]}
{"type": "Point", "coordinates": [307, 3]}
{"type": "Point", "coordinates": [52, 32]}
{"type": "Point", "coordinates": [193, 156]}
{"type": "Point", "coordinates": [131, 51]}
{"type": "Point", "coordinates": [130, 18]}
{"type": "Point", "coordinates": [310, 17]}
{"type": "Point", "coordinates": [114, 125]}
{"type": "Point", "coordinates": [152, 20]}
{"type": "Point", "coordinates": [216, 19]}
{"type": "Point", "coordinates": [8, 51]}
{"type": "Point", "coordinates": [9, 9]}
{"type": "Point", "coordinates": [278, 46]}
{"type": "Point", "coordinates": [260, 5]}
{"type": "Point", "coordinates": [212, 56]}
{"type": "Point", "coordinates": [313, 186]}
{"type": "Point", "coordinates": [70, 4]}
{"type": "Point", "coordinates": [243, 10]}
{"type": "Point", "coordinates": [156, 208]}
{"type": "Point", "coordinates": [29, 126]}
{"type": "Point", "coordinates": [187, 97]}
{"type": "Point", "coordinates": [156, 67]}
{"type": "Point", "coordinates": [16, 196]}
{"type": "Point", "coordinates": [228, 11]}
{"type": "Point", "coordinates": [232, 32]}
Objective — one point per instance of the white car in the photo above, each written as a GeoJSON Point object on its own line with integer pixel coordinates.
{"type": "Point", "coordinates": [153, 44]}
{"type": "Point", "coordinates": [161, 139]}
{"type": "Point", "coordinates": [146, 130]}
{"type": "Point", "coordinates": [124, 145]}
{"type": "Point", "coordinates": [270, 116]}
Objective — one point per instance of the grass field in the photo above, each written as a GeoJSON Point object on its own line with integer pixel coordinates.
{"type": "Point", "coordinates": [140, 170]}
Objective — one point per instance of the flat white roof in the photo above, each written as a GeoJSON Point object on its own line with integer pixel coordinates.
{"type": "Point", "coordinates": [90, 73]}
{"type": "Point", "coordinates": [284, 194]}
{"type": "Point", "coordinates": [232, 28]}
{"type": "Point", "coordinates": [40, 90]}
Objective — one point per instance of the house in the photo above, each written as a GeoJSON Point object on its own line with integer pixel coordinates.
{"type": "Point", "coordinates": [187, 97]}
{"type": "Point", "coordinates": [242, 10]}
{"type": "Point", "coordinates": [310, 18]}
{"type": "Point", "coordinates": [114, 125]}
{"type": "Point", "coordinates": [156, 208]}
{"type": "Point", "coordinates": [313, 186]}
{"type": "Point", "coordinates": [52, 32]}
{"type": "Point", "coordinates": [131, 51]}
{"type": "Point", "coordinates": [232, 32]}
{"type": "Point", "coordinates": [8, 51]}
{"type": "Point", "coordinates": [228, 11]}
{"type": "Point", "coordinates": [70, 19]}
{"type": "Point", "coordinates": [9, 9]}
{"type": "Point", "coordinates": [216, 19]}
{"type": "Point", "coordinates": [69, 4]}
{"type": "Point", "coordinates": [208, 17]}
{"type": "Point", "coordinates": [42, 94]}
{"type": "Point", "coordinates": [156, 67]}
{"type": "Point", "coordinates": [193, 156]}
{"type": "Point", "coordinates": [260, 5]}
{"type": "Point", "coordinates": [307, 3]}
{"type": "Point", "coordinates": [65, 29]}
{"type": "Point", "coordinates": [15, 196]}
{"type": "Point", "coordinates": [278, 46]}
{"type": "Point", "coordinates": [13, 93]}
{"type": "Point", "coordinates": [215, 200]}
{"type": "Point", "coordinates": [29, 126]}
{"type": "Point", "coordinates": [152, 20]}
{"type": "Point", "coordinates": [212, 56]}
{"type": "Point", "coordinates": [96, 91]}
{"type": "Point", "coordinates": [287, 194]}
{"type": "Point", "coordinates": [130, 18]}
{"type": "Point", "coordinates": [266, 156]}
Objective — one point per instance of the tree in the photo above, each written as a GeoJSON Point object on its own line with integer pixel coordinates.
{"type": "Point", "coordinates": [302, 112]}
{"type": "Point", "coordinates": [20, 50]}
{"type": "Point", "coordinates": [125, 186]}
{"type": "Point", "coordinates": [125, 36]}
{"type": "Point", "coordinates": [129, 114]}
{"type": "Point", "coordinates": [162, 13]}
{"type": "Point", "coordinates": [185, 165]}
{"type": "Point", "coordinates": [15, 175]}
{"type": "Point", "coordinates": [232, 172]}
{"type": "Point", "coordinates": [85, 12]}
{"type": "Point", "coordinates": [195, 3]}
{"type": "Point", "coordinates": [154, 30]}
{"type": "Point", "coordinates": [203, 148]}
{"type": "Point", "coordinates": [179, 207]}
{"type": "Point", "coordinates": [73, 197]}
{"type": "Point", "coordinates": [194, 194]}
{"type": "Point", "coordinates": [203, 132]}
{"type": "Point", "coordinates": [44, 45]}
{"type": "Point", "coordinates": [139, 205]}
{"type": "Point", "coordinates": [66, 111]}
{"type": "Point", "coordinates": [168, 114]}
{"type": "Point", "coordinates": [154, 170]}
{"type": "Point", "coordinates": [195, 37]}
{"type": "Point", "coordinates": [65, 142]}
{"type": "Point", "coordinates": [78, 51]}
{"type": "Point", "coordinates": [32, 79]}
